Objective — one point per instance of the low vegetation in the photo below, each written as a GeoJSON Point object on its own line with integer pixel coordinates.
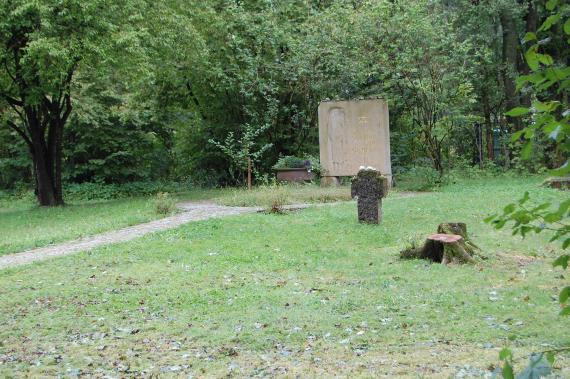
{"type": "Point", "coordinates": [164, 203]}
{"type": "Point", "coordinates": [265, 196]}
{"type": "Point", "coordinates": [25, 226]}
{"type": "Point", "coordinates": [312, 293]}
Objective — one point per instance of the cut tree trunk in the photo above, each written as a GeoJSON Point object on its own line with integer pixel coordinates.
{"type": "Point", "coordinates": [450, 245]}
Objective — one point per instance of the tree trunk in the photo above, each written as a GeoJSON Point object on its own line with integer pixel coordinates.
{"type": "Point", "coordinates": [47, 163]}
{"type": "Point", "coordinates": [479, 144]}
{"type": "Point", "coordinates": [510, 45]}
{"type": "Point", "coordinates": [489, 137]}
{"type": "Point", "coordinates": [45, 190]}
{"type": "Point", "coordinates": [531, 20]}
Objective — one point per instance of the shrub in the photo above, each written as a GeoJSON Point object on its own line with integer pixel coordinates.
{"type": "Point", "coordinates": [315, 165]}
{"type": "Point", "coordinates": [102, 191]}
{"type": "Point", "coordinates": [164, 203]}
{"type": "Point", "coordinates": [290, 161]}
{"type": "Point", "coordinates": [420, 178]}
{"type": "Point", "coordinates": [277, 203]}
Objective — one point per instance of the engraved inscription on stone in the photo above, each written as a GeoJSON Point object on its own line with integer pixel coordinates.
{"type": "Point", "coordinates": [354, 134]}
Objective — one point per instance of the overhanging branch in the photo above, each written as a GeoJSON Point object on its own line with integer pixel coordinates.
{"type": "Point", "coordinates": [22, 134]}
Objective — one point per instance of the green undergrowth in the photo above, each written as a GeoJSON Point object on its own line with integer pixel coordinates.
{"type": "Point", "coordinates": [310, 293]}
{"type": "Point", "coordinates": [287, 194]}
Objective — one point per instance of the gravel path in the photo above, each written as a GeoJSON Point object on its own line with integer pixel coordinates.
{"type": "Point", "coordinates": [190, 212]}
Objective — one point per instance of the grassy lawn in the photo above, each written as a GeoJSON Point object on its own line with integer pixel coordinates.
{"type": "Point", "coordinates": [24, 225]}
{"type": "Point", "coordinates": [28, 226]}
{"type": "Point", "coordinates": [310, 293]}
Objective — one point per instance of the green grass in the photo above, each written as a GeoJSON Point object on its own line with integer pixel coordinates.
{"type": "Point", "coordinates": [28, 227]}
{"type": "Point", "coordinates": [25, 225]}
{"type": "Point", "coordinates": [311, 293]}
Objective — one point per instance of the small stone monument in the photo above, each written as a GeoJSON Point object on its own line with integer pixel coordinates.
{"type": "Point", "coordinates": [369, 186]}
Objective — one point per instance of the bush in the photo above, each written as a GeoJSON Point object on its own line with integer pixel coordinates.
{"type": "Point", "coordinates": [315, 165]}
{"type": "Point", "coordinates": [164, 203]}
{"type": "Point", "coordinates": [463, 169]}
{"type": "Point", "coordinates": [310, 162]}
{"type": "Point", "coordinates": [101, 191]}
{"type": "Point", "coordinates": [290, 161]}
{"type": "Point", "coordinates": [277, 200]}
{"type": "Point", "coordinates": [420, 178]}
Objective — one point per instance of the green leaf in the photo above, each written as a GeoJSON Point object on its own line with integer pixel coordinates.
{"type": "Point", "coordinates": [540, 207]}
{"type": "Point", "coordinates": [522, 80]}
{"type": "Point", "coordinates": [564, 295]}
{"type": "Point", "coordinates": [537, 368]}
{"type": "Point", "coordinates": [545, 59]}
{"type": "Point", "coordinates": [555, 133]}
{"type": "Point", "coordinates": [530, 36]}
{"type": "Point", "coordinates": [498, 224]}
{"type": "Point", "coordinates": [563, 207]}
{"type": "Point", "coordinates": [552, 217]}
{"type": "Point", "coordinates": [549, 22]}
{"type": "Point", "coordinates": [547, 106]}
{"type": "Point", "coordinates": [567, 26]}
{"type": "Point", "coordinates": [531, 58]}
{"type": "Point", "coordinates": [509, 209]}
{"type": "Point", "coordinates": [562, 261]}
{"type": "Point", "coordinates": [551, 4]}
{"type": "Point", "coordinates": [518, 111]}
{"type": "Point", "coordinates": [565, 311]}
{"type": "Point", "coordinates": [508, 371]}
{"type": "Point", "coordinates": [525, 198]}
{"type": "Point", "coordinates": [505, 353]}
{"type": "Point", "coordinates": [526, 150]}
{"type": "Point", "coordinates": [517, 135]}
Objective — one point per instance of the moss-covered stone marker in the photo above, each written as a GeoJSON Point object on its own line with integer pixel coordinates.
{"type": "Point", "coordinates": [369, 186]}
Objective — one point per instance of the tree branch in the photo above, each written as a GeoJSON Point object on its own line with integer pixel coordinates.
{"type": "Point", "coordinates": [21, 133]}
{"type": "Point", "coordinates": [11, 100]}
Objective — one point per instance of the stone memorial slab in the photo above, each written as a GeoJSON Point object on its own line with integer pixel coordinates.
{"type": "Point", "coordinates": [353, 134]}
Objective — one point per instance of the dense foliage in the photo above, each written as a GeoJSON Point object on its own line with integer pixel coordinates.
{"type": "Point", "coordinates": [115, 92]}
{"type": "Point", "coordinates": [548, 85]}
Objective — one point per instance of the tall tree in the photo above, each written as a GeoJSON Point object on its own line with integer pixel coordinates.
{"type": "Point", "coordinates": [43, 44]}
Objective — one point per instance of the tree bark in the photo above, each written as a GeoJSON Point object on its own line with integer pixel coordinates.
{"type": "Point", "coordinates": [489, 137]}
{"type": "Point", "coordinates": [531, 21]}
{"type": "Point", "coordinates": [451, 245]}
{"type": "Point", "coordinates": [509, 59]}
{"type": "Point", "coordinates": [47, 159]}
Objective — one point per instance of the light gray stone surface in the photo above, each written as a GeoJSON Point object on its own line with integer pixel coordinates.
{"type": "Point", "coordinates": [354, 134]}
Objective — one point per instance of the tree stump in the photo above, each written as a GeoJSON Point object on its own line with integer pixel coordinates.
{"type": "Point", "coordinates": [450, 245]}
{"type": "Point", "coordinates": [561, 183]}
